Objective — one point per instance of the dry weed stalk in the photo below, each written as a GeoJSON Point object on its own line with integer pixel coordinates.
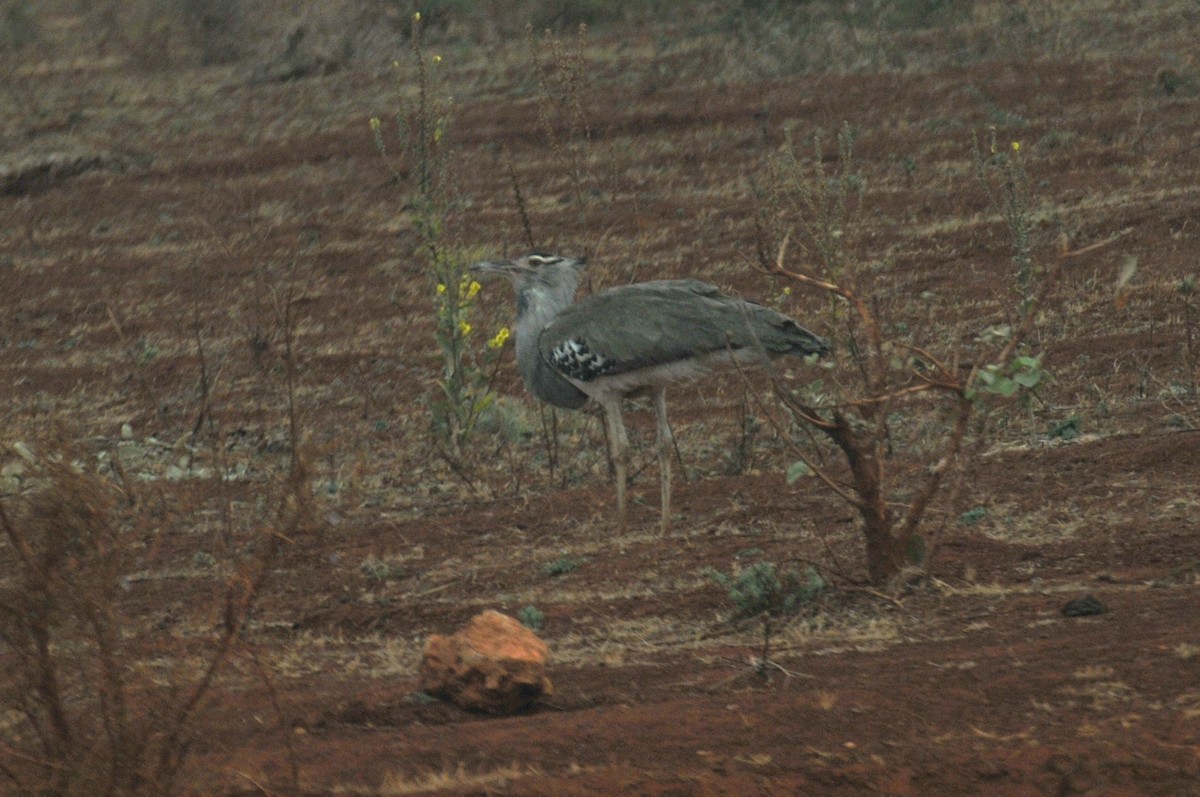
{"type": "Point", "coordinates": [560, 106]}
{"type": "Point", "coordinates": [559, 71]}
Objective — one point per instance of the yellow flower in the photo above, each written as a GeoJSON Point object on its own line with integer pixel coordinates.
{"type": "Point", "coordinates": [787, 291]}
{"type": "Point", "coordinates": [500, 339]}
{"type": "Point", "coordinates": [1016, 145]}
{"type": "Point", "coordinates": [468, 288]}
{"type": "Point", "coordinates": [375, 123]}
{"type": "Point", "coordinates": [417, 16]}
{"type": "Point", "coordinates": [464, 328]}
{"type": "Point", "coordinates": [441, 288]}
{"type": "Point", "coordinates": [437, 59]}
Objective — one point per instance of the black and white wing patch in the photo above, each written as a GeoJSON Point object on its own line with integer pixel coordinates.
{"type": "Point", "coordinates": [572, 358]}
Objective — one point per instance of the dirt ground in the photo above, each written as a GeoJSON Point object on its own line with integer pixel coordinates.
{"type": "Point", "coordinates": [207, 198]}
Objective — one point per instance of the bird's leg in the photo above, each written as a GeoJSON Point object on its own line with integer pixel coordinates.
{"type": "Point", "coordinates": [618, 447]}
{"type": "Point", "coordinates": [664, 440]}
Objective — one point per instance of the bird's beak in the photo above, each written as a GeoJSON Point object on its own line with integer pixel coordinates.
{"type": "Point", "coordinates": [490, 266]}
{"type": "Point", "coordinates": [509, 269]}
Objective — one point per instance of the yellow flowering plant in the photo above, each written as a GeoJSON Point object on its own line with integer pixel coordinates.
{"type": "Point", "coordinates": [468, 370]}
{"type": "Point", "coordinates": [421, 164]}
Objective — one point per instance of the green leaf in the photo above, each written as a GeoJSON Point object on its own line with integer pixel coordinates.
{"type": "Point", "coordinates": [1028, 379]}
{"type": "Point", "coordinates": [797, 469]}
{"type": "Point", "coordinates": [1027, 362]}
{"type": "Point", "coordinates": [1005, 387]}
{"type": "Point", "coordinates": [972, 516]}
{"type": "Point", "coordinates": [484, 402]}
{"type": "Point", "coordinates": [1068, 429]}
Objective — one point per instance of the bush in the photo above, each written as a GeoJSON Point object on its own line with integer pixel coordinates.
{"type": "Point", "coordinates": [890, 396]}
{"type": "Point", "coordinates": [90, 715]}
{"type": "Point", "coordinates": [760, 589]}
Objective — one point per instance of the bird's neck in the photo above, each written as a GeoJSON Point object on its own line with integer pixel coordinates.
{"type": "Point", "coordinates": [537, 306]}
{"type": "Point", "coordinates": [539, 303]}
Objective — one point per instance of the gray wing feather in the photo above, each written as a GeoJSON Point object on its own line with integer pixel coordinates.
{"type": "Point", "coordinates": [654, 323]}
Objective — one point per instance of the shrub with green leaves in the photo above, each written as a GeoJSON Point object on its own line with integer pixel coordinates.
{"type": "Point", "coordinates": [377, 569]}
{"type": "Point", "coordinates": [761, 589]}
{"type": "Point", "coordinates": [531, 618]}
{"type": "Point", "coordinates": [1007, 379]}
{"type": "Point", "coordinates": [560, 567]}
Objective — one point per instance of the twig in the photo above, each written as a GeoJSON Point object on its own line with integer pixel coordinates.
{"type": "Point", "coordinates": [138, 371]}
{"type": "Point", "coordinates": [520, 200]}
{"type": "Point", "coordinates": [255, 783]}
{"type": "Point", "coordinates": [458, 469]}
{"type": "Point", "coordinates": [204, 387]}
{"type": "Point", "coordinates": [1093, 246]}
{"type": "Point", "coordinates": [874, 593]}
{"type": "Point", "coordinates": [273, 697]}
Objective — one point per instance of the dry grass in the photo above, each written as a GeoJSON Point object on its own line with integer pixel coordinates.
{"type": "Point", "coordinates": [461, 778]}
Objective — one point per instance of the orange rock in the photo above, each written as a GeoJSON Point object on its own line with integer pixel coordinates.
{"type": "Point", "coordinates": [493, 664]}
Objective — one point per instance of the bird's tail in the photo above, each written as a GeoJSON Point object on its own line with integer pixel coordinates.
{"type": "Point", "coordinates": [802, 342]}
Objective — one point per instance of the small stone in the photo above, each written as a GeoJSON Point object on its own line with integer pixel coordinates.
{"type": "Point", "coordinates": [493, 665]}
{"type": "Point", "coordinates": [126, 432]}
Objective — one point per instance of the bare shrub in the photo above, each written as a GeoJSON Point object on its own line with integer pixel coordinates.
{"type": "Point", "coordinates": [89, 709]}
{"type": "Point", "coordinates": [100, 696]}
{"type": "Point", "coordinates": [896, 412]}
{"type": "Point", "coordinates": [561, 78]}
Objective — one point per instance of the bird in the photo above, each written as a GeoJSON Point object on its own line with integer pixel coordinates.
{"type": "Point", "coordinates": [631, 340]}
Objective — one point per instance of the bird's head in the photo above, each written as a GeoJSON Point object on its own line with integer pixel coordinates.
{"type": "Point", "coordinates": [535, 266]}
{"type": "Point", "coordinates": [544, 282]}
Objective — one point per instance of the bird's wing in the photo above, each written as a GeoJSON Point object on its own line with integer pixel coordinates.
{"type": "Point", "coordinates": [654, 323]}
